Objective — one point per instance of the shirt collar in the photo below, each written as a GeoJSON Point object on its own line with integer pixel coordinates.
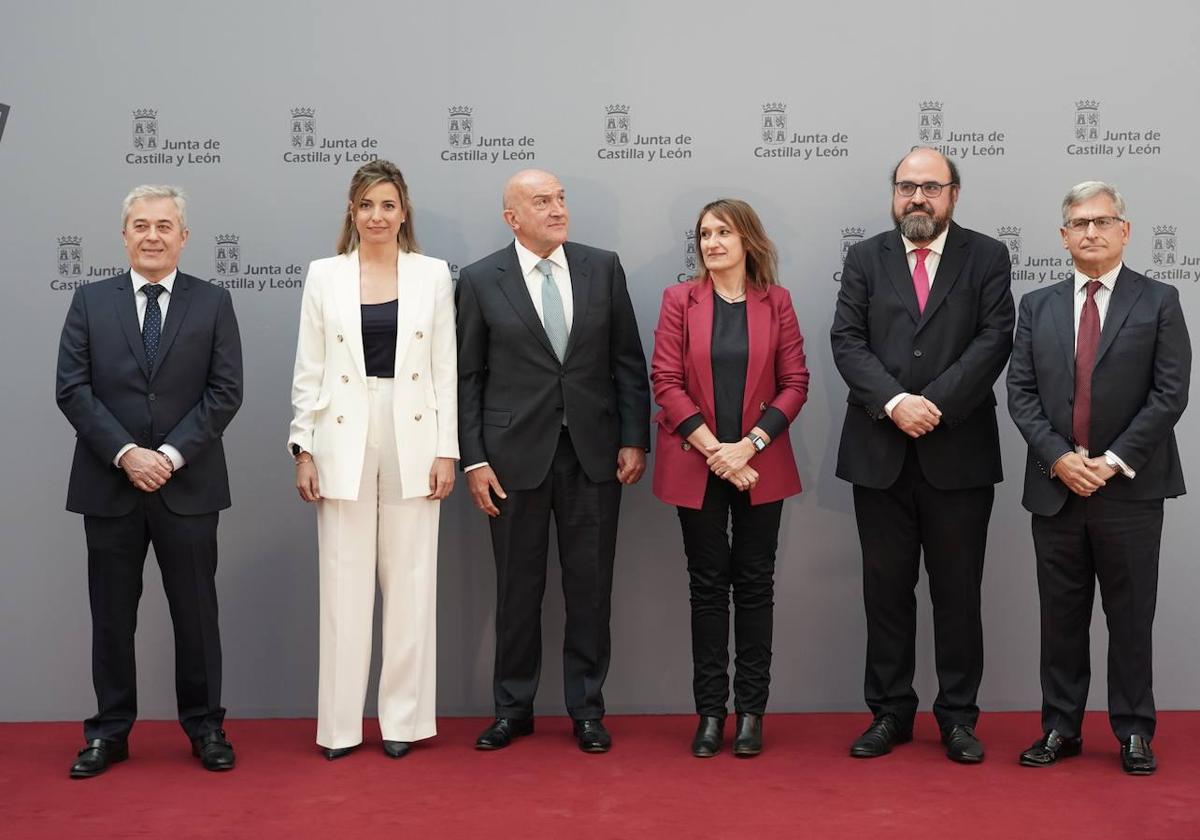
{"type": "Point", "coordinates": [167, 282]}
{"type": "Point", "coordinates": [938, 245]}
{"type": "Point", "coordinates": [529, 260]}
{"type": "Point", "coordinates": [1108, 279]}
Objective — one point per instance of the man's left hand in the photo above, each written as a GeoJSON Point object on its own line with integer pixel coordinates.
{"type": "Point", "coordinates": [631, 463]}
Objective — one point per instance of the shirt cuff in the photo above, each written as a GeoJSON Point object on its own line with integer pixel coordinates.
{"type": "Point", "coordinates": [172, 453]}
{"type": "Point", "coordinates": [690, 425]}
{"type": "Point", "coordinates": [475, 466]}
{"type": "Point", "coordinates": [893, 402]}
{"type": "Point", "coordinates": [773, 421]}
{"type": "Point", "coordinates": [1121, 465]}
{"type": "Point", "coordinates": [121, 453]}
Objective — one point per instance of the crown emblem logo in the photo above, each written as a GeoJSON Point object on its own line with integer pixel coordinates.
{"type": "Point", "coordinates": [1008, 230]}
{"type": "Point", "coordinates": [227, 239]}
{"type": "Point", "coordinates": [857, 232]}
{"type": "Point", "coordinates": [303, 113]}
{"type": "Point", "coordinates": [616, 109]}
{"type": "Point", "coordinates": [461, 110]}
{"type": "Point", "coordinates": [931, 105]}
{"type": "Point", "coordinates": [1087, 104]}
{"type": "Point", "coordinates": [70, 241]}
{"type": "Point", "coordinates": [1165, 230]}
{"type": "Point", "coordinates": [145, 113]}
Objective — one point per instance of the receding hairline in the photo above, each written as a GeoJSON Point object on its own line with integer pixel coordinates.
{"type": "Point", "coordinates": [951, 167]}
{"type": "Point", "coordinates": [513, 185]}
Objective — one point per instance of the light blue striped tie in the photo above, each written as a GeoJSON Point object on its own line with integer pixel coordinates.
{"type": "Point", "coordinates": [552, 310]}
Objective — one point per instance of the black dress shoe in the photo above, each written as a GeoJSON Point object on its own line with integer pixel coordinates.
{"type": "Point", "coordinates": [96, 756]}
{"type": "Point", "coordinates": [396, 749]}
{"type": "Point", "coordinates": [502, 732]}
{"type": "Point", "coordinates": [1050, 748]}
{"type": "Point", "coordinates": [592, 736]}
{"type": "Point", "coordinates": [334, 753]}
{"type": "Point", "coordinates": [747, 739]}
{"type": "Point", "coordinates": [884, 733]}
{"type": "Point", "coordinates": [1137, 759]}
{"type": "Point", "coordinates": [709, 734]}
{"type": "Point", "coordinates": [214, 752]}
{"type": "Point", "coordinates": [961, 744]}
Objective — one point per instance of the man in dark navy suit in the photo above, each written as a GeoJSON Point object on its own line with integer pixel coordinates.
{"type": "Point", "coordinates": [150, 374]}
{"type": "Point", "coordinates": [1098, 379]}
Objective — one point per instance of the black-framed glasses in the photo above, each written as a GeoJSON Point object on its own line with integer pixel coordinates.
{"type": "Point", "coordinates": [1101, 223]}
{"type": "Point", "coordinates": [930, 190]}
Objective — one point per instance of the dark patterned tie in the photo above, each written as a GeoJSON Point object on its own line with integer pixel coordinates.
{"type": "Point", "coordinates": [152, 323]}
{"type": "Point", "coordinates": [1085, 359]}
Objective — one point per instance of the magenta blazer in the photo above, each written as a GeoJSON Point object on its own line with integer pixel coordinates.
{"type": "Point", "coordinates": [681, 373]}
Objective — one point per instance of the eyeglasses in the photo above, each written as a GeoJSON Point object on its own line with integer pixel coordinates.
{"type": "Point", "coordinates": [1101, 223]}
{"type": "Point", "coordinates": [930, 190]}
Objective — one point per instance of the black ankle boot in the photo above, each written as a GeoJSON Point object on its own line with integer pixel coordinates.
{"type": "Point", "coordinates": [709, 734]}
{"type": "Point", "coordinates": [747, 741]}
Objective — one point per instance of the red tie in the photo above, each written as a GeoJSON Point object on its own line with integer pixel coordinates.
{"type": "Point", "coordinates": [1085, 359]}
{"type": "Point", "coordinates": [921, 278]}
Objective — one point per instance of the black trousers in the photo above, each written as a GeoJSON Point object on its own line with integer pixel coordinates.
{"type": "Point", "coordinates": [895, 526]}
{"type": "Point", "coordinates": [585, 516]}
{"type": "Point", "coordinates": [186, 548]}
{"type": "Point", "coordinates": [1117, 543]}
{"type": "Point", "coordinates": [744, 564]}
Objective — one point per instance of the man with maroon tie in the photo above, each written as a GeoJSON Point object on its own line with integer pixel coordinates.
{"type": "Point", "coordinates": [1098, 379]}
{"type": "Point", "coordinates": [922, 330]}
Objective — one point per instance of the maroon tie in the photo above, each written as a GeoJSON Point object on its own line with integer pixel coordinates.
{"type": "Point", "coordinates": [1085, 359]}
{"type": "Point", "coordinates": [921, 278]}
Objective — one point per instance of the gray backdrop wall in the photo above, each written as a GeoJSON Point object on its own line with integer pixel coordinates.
{"type": "Point", "coordinates": [646, 110]}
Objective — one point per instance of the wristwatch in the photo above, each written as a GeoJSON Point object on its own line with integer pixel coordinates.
{"type": "Point", "coordinates": [758, 442]}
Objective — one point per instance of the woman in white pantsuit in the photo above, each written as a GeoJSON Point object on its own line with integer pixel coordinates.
{"type": "Point", "coordinates": [374, 433]}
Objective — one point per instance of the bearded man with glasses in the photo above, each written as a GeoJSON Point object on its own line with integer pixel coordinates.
{"type": "Point", "coordinates": [1099, 378]}
{"type": "Point", "coordinates": [922, 329]}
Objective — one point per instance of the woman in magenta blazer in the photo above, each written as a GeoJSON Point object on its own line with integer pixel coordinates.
{"type": "Point", "coordinates": [729, 375]}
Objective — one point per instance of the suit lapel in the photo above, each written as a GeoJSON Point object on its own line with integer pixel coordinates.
{"type": "Point", "coordinates": [1062, 311]}
{"type": "Point", "coordinates": [1124, 295]}
{"type": "Point", "coordinates": [581, 291]}
{"type": "Point", "coordinates": [176, 312]}
{"type": "Point", "coordinates": [126, 312]}
{"type": "Point", "coordinates": [512, 284]}
{"type": "Point", "coordinates": [949, 268]}
{"type": "Point", "coordinates": [699, 343]}
{"type": "Point", "coordinates": [413, 292]}
{"type": "Point", "coordinates": [895, 262]}
{"type": "Point", "coordinates": [349, 305]}
{"type": "Point", "coordinates": [758, 332]}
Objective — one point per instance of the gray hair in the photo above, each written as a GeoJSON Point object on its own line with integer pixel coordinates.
{"type": "Point", "coordinates": [1090, 189]}
{"type": "Point", "coordinates": [176, 194]}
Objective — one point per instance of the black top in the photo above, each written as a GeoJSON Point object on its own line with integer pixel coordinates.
{"type": "Point", "coordinates": [730, 353]}
{"type": "Point", "coordinates": [379, 337]}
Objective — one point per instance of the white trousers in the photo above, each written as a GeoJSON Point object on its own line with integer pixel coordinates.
{"type": "Point", "coordinates": [398, 537]}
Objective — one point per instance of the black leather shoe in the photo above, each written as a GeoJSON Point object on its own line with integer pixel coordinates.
{"type": "Point", "coordinates": [396, 749]}
{"type": "Point", "coordinates": [96, 756]}
{"type": "Point", "coordinates": [885, 732]}
{"type": "Point", "coordinates": [502, 732]}
{"type": "Point", "coordinates": [961, 744]}
{"type": "Point", "coordinates": [592, 736]}
{"type": "Point", "coordinates": [334, 753]}
{"type": "Point", "coordinates": [214, 752]}
{"type": "Point", "coordinates": [709, 733]}
{"type": "Point", "coordinates": [1050, 748]}
{"type": "Point", "coordinates": [747, 739]}
{"type": "Point", "coordinates": [1137, 759]}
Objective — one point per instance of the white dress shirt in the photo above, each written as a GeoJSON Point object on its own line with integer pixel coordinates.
{"type": "Point", "coordinates": [164, 301]}
{"type": "Point", "coordinates": [932, 260]}
{"type": "Point", "coordinates": [1108, 282]}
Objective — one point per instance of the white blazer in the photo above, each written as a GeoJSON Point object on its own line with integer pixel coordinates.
{"type": "Point", "coordinates": [330, 408]}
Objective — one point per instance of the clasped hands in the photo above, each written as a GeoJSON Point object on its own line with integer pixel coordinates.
{"type": "Point", "coordinates": [1083, 476]}
{"type": "Point", "coordinates": [147, 469]}
{"type": "Point", "coordinates": [731, 461]}
{"type": "Point", "coordinates": [915, 415]}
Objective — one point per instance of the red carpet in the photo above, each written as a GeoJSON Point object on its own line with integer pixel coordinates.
{"type": "Point", "coordinates": [803, 786]}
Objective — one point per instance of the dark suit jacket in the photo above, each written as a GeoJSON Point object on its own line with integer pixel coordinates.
{"type": "Point", "coordinates": [1139, 388]}
{"type": "Point", "coordinates": [513, 393]}
{"type": "Point", "coordinates": [683, 386]}
{"type": "Point", "coordinates": [105, 392]}
{"type": "Point", "coordinates": [951, 353]}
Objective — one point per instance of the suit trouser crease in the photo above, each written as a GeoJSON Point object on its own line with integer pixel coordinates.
{"type": "Point", "coordinates": [382, 534]}
{"type": "Point", "coordinates": [585, 517]}
{"type": "Point", "coordinates": [1114, 543]}
{"type": "Point", "coordinates": [949, 527]}
{"type": "Point", "coordinates": [185, 547]}
{"type": "Point", "coordinates": [718, 565]}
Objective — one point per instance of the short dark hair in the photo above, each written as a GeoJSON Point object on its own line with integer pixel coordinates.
{"type": "Point", "coordinates": [954, 179]}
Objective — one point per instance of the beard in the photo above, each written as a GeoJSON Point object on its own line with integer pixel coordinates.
{"type": "Point", "coordinates": [920, 226]}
